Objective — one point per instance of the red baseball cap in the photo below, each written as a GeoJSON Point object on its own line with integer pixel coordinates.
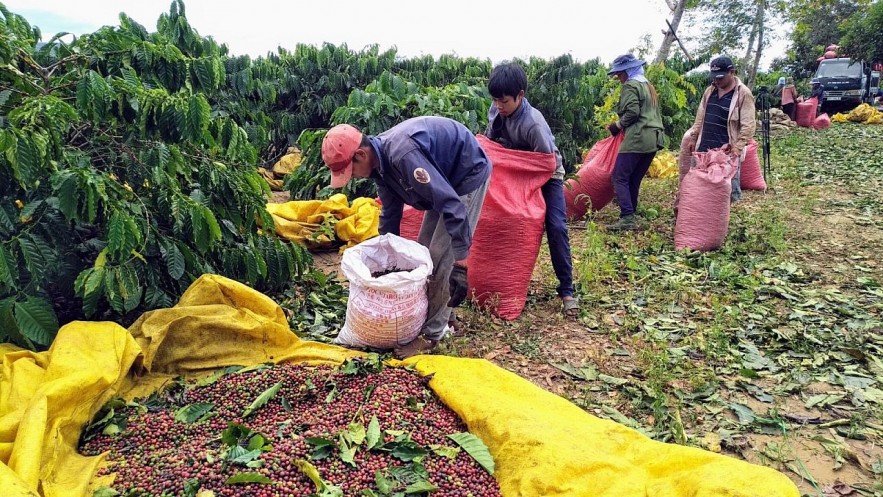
{"type": "Point", "coordinates": [338, 147]}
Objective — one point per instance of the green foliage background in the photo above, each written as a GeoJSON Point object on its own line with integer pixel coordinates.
{"type": "Point", "coordinates": [128, 156]}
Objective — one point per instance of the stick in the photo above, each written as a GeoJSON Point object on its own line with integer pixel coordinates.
{"type": "Point", "coordinates": [683, 49]}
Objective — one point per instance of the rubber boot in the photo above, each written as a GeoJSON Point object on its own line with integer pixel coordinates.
{"type": "Point", "coordinates": [625, 223]}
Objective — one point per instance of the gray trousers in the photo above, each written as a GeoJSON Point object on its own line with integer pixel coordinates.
{"type": "Point", "coordinates": [434, 235]}
{"type": "Point", "coordinates": [736, 193]}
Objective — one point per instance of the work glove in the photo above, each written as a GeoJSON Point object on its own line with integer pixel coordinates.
{"type": "Point", "coordinates": [613, 129]}
{"type": "Point", "coordinates": [459, 286]}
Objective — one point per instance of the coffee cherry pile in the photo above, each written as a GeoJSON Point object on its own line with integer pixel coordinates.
{"type": "Point", "coordinates": [290, 430]}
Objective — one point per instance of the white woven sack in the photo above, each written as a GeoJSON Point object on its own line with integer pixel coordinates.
{"type": "Point", "coordinates": [388, 310]}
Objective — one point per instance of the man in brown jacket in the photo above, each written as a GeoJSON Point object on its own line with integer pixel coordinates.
{"type": "Point", "coordinates": [725, 119]}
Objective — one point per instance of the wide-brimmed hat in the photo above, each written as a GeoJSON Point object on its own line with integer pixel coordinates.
{"type": "Point", "coordinates": [624, 63]}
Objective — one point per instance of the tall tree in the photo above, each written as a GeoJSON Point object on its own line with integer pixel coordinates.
{"type": "Point", "coordinates": [863, 34]}
{"type": "Point", "coordinates": [817, 24]}
{"type": "Point", "coordinates": [677, 8]}
{"type": "Point", "coordinates": [741, 26]}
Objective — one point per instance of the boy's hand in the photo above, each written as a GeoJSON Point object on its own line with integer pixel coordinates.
{"type": "Point", "coordinates": [613, 129]}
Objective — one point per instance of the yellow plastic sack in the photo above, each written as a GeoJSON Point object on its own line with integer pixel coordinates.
{"type": "Point", "coordinates": [288, 163]}
{"type": "Point", "coordinates": [275, 184]}
{"type": "Point", "coordinates": [542, 444]}
{"type": "Point", "coordinates": [875, 118]}
{"type": "Point", "coordinates": [839, 118]}
{"type": "Point", "coordinates": [319, 223]}
{"type": "Point", "coordinates": [861, 113]}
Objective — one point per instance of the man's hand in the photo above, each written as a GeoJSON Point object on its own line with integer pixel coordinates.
{"type": "Point", "coordinates": [459, 285]}
{"type": "Point", "coordinates": [613, 129]}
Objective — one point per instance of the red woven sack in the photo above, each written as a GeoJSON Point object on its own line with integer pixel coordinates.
{"type": "Point", "coordinates": [594, 184]}
{"type": "Point", "coordinates": [412, 219]}
{"type": "Point", "coordinates": [806, 112]}
{"type": "Point", "coordinates": [509, 232]}
{"type": "Point", "coordinates": [752, 175]}
{"type": "Point", "coordinates": [822, 122]}
{"type": "Point", "coordinates": [704, 208]}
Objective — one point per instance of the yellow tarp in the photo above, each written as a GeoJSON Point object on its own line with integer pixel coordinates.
{"type": "Point", "coordinates": [664, 165]}
{"type": "Point", "coordinates": [319, 223]}
{"type": "Point", "coordinates": [542, 444]}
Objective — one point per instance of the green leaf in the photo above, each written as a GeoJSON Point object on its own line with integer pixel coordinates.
{"type": "Point", "coordinates": [105, 492]}
{"type": "Point", "coordinates": [174, 259]}
{"type": "Point", "coordinates": [36, 320]}
{"type": "Point", "coordinates": [743, 412]}
{"type": "Point", "coordinates": [8, 328]}
{"type": "Point", "coordinates": [322, 447]}
{"type": "Point", "coordinates": [67, 191]}
{"type": "Point", "coordinates": [247, 478]}
{"type": "Point", "coordinates": [420, 487]}
{"type": "Point", "coordinates": [476, 448]}
{"type": "Point", "coordinates": [191, 487]}
{"type": "Point", "coordinates": [612, 380]}
{"type": "Point", "coordinates": [262, 399]}
{"type": "Point", "coordinates": [129, 288]}
{"type": "Point", "coordinates": [445, 451]}
{"type": "Point", "coordinates": [257, 442]}
{"type": "Point", "coordinates": [356, 432]}
{"type": "Point", "coordinates": [198, 115]}
{"type": "Point", "coordinates": [311, 472]}
{"type": "Point", "coordinates": [233, 432]}
{"type": "Point", "coordinates": [408, 451]}
{"type": "Point", "coordinates": [8, 269]}
{"type": "Point", "coordinates": [117, 242]}
{"type": "Point", "coordinates": [193, 412]}
{"type": "Point", "coordinates": [241, 455]}
{"type": "Point", "coordinates": [31, 254]}
{"type": "Point", "coordinates": [347, 453]}
{"type": "Point", "coordinates": [90, 287]}
{"type": "Point", "coordinates": [28, 162]}
{"type": "Point", "coordinates": [586, 373]}
{"type": "Point", "coordinates": [384, 484]}
{"type": "Point", "coordinates": [373, 434]}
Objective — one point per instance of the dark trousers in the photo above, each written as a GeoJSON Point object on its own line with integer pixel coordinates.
{"type": "Point", "coordinates": [556, 234]}
{"type": "Point", "coordinates": [788, 109]}
{"type": "Point", "coordinates": [628, 171]}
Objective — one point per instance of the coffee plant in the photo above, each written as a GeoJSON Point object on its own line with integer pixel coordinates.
{"type": "Point", "coordinates": [292, 430]}
{"type": "Point", "coordinates": [381, 105]}
{"type": "Point", "coordinates": [120, 183]}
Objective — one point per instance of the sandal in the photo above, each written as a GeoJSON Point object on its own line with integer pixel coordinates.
{"type": "Point", "coordinates": [570, 307]}
{"type": "Point", "coordinates": [416, 346]}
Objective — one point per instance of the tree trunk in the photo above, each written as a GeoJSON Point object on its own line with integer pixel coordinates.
{"type": "Point", "coordinates": [677, 8]}
{"type": "Point", "coordinates": [745, 67]}
{"type": "Point", "coordinates": [761, 18]}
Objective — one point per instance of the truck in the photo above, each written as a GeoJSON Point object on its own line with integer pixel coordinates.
{"type": "Point", "coordinates": [847, 83]}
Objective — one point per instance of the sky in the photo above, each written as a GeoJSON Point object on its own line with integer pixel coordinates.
{"type": "Point", "coordinates": [467, 28]}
